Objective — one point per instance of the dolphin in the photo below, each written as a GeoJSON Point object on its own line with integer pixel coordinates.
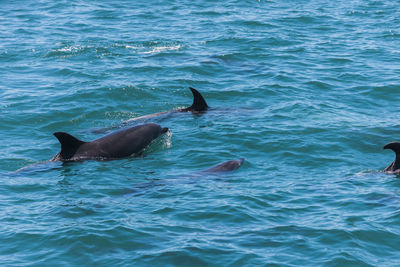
{"type": "Point", "coordinates": [394, 167]}
{"type": "Point", "coordinates": [119, 144]}
{"type": "Point", "coordinates": [226, 166]}
{"type": "Point", "coordinates": [199, 105]}
{"type": "Point", "coordinates": [215, 171]}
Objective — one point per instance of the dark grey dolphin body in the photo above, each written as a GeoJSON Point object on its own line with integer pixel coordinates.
{"type": "Point", "coordinates": [394, 167]}
{"type": "Point", "coordinates": [120, 144]}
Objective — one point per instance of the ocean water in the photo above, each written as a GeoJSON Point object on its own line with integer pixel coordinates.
{"type": "Point", "coordinates": [307, 92]}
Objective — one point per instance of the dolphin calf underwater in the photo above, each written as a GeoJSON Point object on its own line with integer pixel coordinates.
{"type": "Point", "coordinates": [216, 171]}
{"type": "Point", "coordinates": [120, 144]}
{"type": "Point", "coordinates": [226, 166]}
{"type": "Point", "coordinates": [394, 167]}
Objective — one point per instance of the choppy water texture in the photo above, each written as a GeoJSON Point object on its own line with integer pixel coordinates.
{"type": "Point", "coordinates": [306, 91]}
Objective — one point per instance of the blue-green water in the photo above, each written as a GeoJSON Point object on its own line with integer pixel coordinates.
{"type": "Point", "coordinates": [306, 91]}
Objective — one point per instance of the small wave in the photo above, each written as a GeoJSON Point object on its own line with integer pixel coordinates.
{"type": "Point", "coordinates": [67, 51]}
{"type": "Point", "coordinates": [162, 49]}
{"type": "Point", "coordinates": [145, 49]}
{"type": "Point", "coordinates": [112, 49]}
{"type": "Point", "coordinates": [319, 84]}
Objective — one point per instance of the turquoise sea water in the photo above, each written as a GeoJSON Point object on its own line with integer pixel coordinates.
{"type": "Point", "coordinates": [306, 91]}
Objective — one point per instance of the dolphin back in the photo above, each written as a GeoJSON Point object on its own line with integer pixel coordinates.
{"type": "Point", "coordinates": [120, 144]}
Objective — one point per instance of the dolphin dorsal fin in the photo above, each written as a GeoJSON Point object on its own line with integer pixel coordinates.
{"type": "Point", "coordinates": [199, 104]}
{"type": "Point", "coordinates": [395, 146]}
{"type": "Point", "coordinates": [69, 144]}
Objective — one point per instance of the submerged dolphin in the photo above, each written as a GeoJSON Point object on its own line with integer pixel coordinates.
{"type": "Point", "coordinates": [215, 171]}
{"type": "Point", "coordinates": [226, 166]}
{"type": "Point", "coordinates": [199, 105]}
{"type": "Point", "coordinates": [120, 144]}
{"type": "Point", "coordinates": [394, 167]}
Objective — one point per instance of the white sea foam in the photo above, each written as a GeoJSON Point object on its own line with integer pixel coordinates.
{"type": "Point", "coordinates": [161, 49]}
